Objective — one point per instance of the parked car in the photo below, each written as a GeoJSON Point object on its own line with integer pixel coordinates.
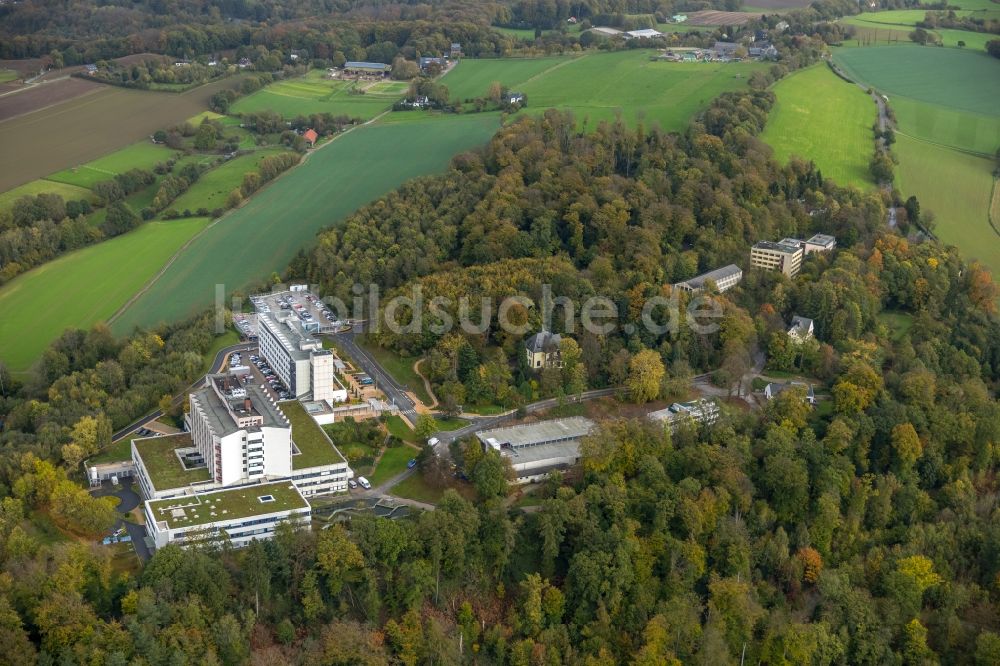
{"type": "Point", "coordinates": [412, 463]}
{"type": "Point", "coordinates": [352, 483]}
{"type": "Point", "coordinates": [363, 482]}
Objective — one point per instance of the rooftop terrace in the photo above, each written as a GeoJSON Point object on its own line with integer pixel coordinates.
{"type": "Point", "coordinates": [235, 504]}
{"type": "Point", "coordinates": [315, 448]}
{"type": "Point", "coordinates": [159, 456]}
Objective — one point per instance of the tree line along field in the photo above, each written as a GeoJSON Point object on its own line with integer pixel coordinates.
{"type": "Point", "coordinates": [262, 236]}
{"type": "Point", "coordinates": [77, 131]}
{"type": "Point", "coordinates": [317, 93]}
{"type": "Point", "coordinates": [213, 187]}
{"type": "Point", "coordinates": [602, 86]}
{"type": "Point", "coordinates": [83, 287]}
{"type": "Point", "coordinates": [820, 117]}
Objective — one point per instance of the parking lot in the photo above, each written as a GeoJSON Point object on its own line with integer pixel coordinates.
{"type": "Point", "coordinates": [260, 373]}
{"type": "Point", "coordinates": [310, 310]}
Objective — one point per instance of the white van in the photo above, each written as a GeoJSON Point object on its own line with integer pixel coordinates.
{"type": "Point", "coordinates": [363, 482]}
{"type": "Point", "coordinates": [433, 441]}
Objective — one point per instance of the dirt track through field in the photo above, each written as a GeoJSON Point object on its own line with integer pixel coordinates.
{"type": "Point", "coordinates": [68, 133]}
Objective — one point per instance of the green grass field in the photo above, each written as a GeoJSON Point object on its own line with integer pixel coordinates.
{"type": "Point", "coordinates": [392, 462]}
{"type": "Point", "coordinates": [945, 103]}
{"type": "Point", "coordinates": [314, 93]}
{"type": "Point", "coordinates": [953, 78]}
{"type": "Point", "coordinates": [264, 234]}
{"type": "Point", "coordinates": [7, 75]}
{"type": "Point", "coordinates": [43, 186]}
{"type": "Point", "coordinates": [964, 130]}
{"type": "Point", "coordinates": [957, 187]}
{"type": "Point", "coordinates": [141, 155]}
{"type": "Point", "coordinates": [212, 188]}
{"type": "Point", "coordinates": [821, 117]}
{"type": "Point", "coordinates": [83, 287]}
{"type": "Point", "coordinates": [600, 86]}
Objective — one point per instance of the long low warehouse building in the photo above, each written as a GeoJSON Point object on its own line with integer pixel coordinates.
{"type": "Point", "coordinates": [536, 449]}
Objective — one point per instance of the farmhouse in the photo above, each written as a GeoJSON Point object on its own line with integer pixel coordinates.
{"type": "Point", "coordinates": [763, 50]}
{"type": "Point", "coordinates": [515, 98]}
{"type": "Point", "coordinates": [536, 449]}
{"type": "Point", "coordinates": [456, 50]}
{"type": "Point", "coordinates": [725, 278]}
{"type": "Point", "coordinates": [542, 350]}
{"type": "Point", "coordinates": [310, 136]}
{"type": "Point", "coordinates": [679, 18]}
{"type": "Point", "coordinates": [353, 68]}
{"type": "Point", "coordinates": [725, 49]}
{"type": "Point", "coordinates": [426, 62]}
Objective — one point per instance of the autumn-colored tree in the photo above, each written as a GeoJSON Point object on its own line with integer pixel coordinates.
{"type": "Point", "coordinates": [646, 372]}
{"type": "Point", "coordinates": [812, 563]}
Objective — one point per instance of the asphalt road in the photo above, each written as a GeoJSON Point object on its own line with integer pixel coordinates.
{"type": "Point", "coordinates": [394, 391]}
{"type": "Point", "coordinates": [217, 363]}
{"type": "Point", "coordinates": [129, 500]}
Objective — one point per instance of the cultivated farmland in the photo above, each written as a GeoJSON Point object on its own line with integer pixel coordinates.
{"type": "Point", "coordinates": [85, 128]}
{"type": "Point", "coordinates": [245, 246]}
{"type": "Point", "coordinates": [957, 187]}
{"type": "Point", "coordinates": [626, 83]}
{"type": "Point", "coordinates": [948, 129]}
{"type": "Point", "coordinates": [315, 93]}
{"type": "Point", "coordinates": [950, 77]}
{"type": "Point", "coordinates": [821, 117]}
{"type": "Point", "coordinates": [83, 287]}
{"type": "Point", "coordinates": [711, 17]}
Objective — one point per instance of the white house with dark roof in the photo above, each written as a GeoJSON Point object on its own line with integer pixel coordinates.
{"type": "Point", "coordinates": [802, 329]}
{"type": "Point", "coordinates": [542, 350]}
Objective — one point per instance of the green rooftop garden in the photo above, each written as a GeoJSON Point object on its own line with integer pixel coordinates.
{"type": "Point", "coordinates": [315, 448]}
{"type": "Point", "coordinates": [238, 503]}
{"type": "Point", "coordinates": [164, 467]}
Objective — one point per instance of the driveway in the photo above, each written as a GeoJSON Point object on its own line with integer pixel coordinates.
{"type": "Point", "coordinates": [129, 500]}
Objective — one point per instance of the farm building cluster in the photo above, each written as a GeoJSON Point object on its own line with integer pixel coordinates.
{"type": "Point", "coordinates": [721, 52]}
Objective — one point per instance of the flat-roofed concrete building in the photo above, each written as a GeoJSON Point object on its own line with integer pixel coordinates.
{"type": "Point", "coordinates": [725, 278]}
{"type": "Point", "coordinates": [702, 410]}
{"type": "Point", "coordinates": [237, 515]}
{"type": "Point", "coordinates": [535, 449]}
{"type": "Point", "coordinates": [784, 256]}
{"type": "Point", "coordinates": [238, 437]}
{"type": "Point", "coordinates": [239, 431]}
{"type": "Point", "coordinates": [819, 243]}
{"type": "Point", "coordinates": [298, 358]}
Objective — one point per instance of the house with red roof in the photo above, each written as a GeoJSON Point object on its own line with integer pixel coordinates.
{"type": "Point", "coordinates": [310, 136]}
